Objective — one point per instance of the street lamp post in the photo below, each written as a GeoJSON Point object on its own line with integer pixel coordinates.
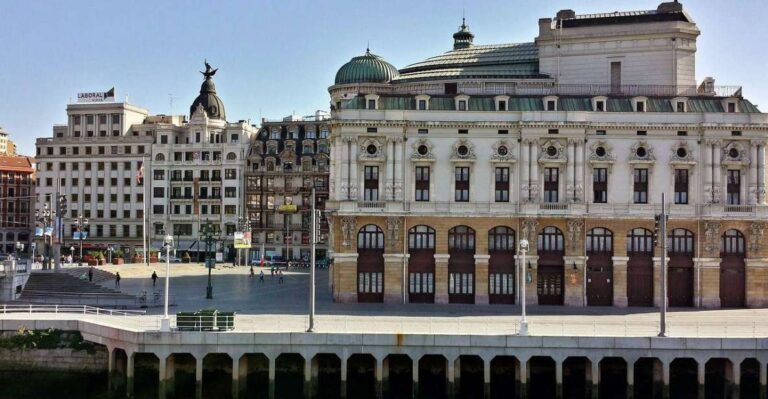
{"type": "Point", "coordinates": [165, 325]}
{"type": "Point", "coordinates": [209, 260]}
{"type": "Point", "coordinates": [523, 321]}
{"type": "Point", "coordinates": [45, 217]}
{"type": "Point", "coordinates": [71, 254]}
{"type": "Point", "coordinates": [81, 224]}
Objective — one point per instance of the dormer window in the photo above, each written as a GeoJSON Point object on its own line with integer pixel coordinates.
{"type": "Point", "coordinates": [600, 106]}
{"type": "Point", "coordinates": [422, 102]}
{"type": "Point", "coordinates": [680, 106]}
{"type": "Point", "coordinates": [550, 103]}
{"type": "Point", "coordinates": [422, 105]}
{"type": "Point", "coordinates": [462, 102]}
{"type": "Point", "coordinates": [502, 106]}
{"type": "Point", "coordinates": [502, 103]}
{"type": "Point", "coordinates": [600, 103]}
{"type": "Point", "coordinates": [275, 134]}
{"type": "Point", "coordinates": [639, 104]}
{"type": "Point", "coordinates": [371, 101]}
{"type": "Point", "coordinates": [371, 104]}
{"type": "Point", "coordinates": [731, 107]}
{"type": "Point", "coordinates": [462, 105]}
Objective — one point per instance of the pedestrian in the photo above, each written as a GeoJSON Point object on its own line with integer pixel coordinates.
{"type": "Point", "coordinates": [154, 278]}
{"type": "Point", "coordinates": [279, 276]}
{"type": "Point", "coordinates": [272, 270]}
{"type": "Point", "coordinates": [251, 275]}
{"type": "Point", "coordinates": [90, 274]}
{"type": "Point", "coordinates": [261, 276]}
{"type": "Point", "coordinates": [117, 279]}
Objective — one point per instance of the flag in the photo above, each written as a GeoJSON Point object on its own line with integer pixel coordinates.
{"type": "Point", "coordinates": [140, 173]}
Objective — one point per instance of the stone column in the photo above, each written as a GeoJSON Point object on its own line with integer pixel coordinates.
{"type": "Point", "coordinates": [763, 381]}
{"type": "Point", "coordinates": [574, 280]}
{"type": "Point", "coordinates": [129, 365]}
{"type": "Point", "coordinates": [393, 278]}
{"type": "Point", "coordinates": [718, 173]}
{"type": "Point", "coordinates": [630, 378]}
{"type": "Point", "coordinates": [522, 379]}
{"type": "Point", "coordinates": [756, 276]}
{"type": "Point", "coordinates": [525, 178]}
{"type": "Point", "coordinates": [708, 166]}
{"type": "Point", "coordinates": [162, 374]}
{"type": "Point", "coordinates": [380, 376]}
{"type": "Point", "coordinates": [345, 265]}
{"type": "Point", "coordinates": [343, 387]}
{"type": "Point", "coordinates": [486, 378]}
{"type": "Point", "coordinates": [761, 173]}
{"type": "Point", "coordinates": [415, 392]}
{"type": "Point", "coordinates": [452, 367]}
{"type": "Point", "coordinates": [199, 376]}
{"type": "Point", "coordinates": [752, 185]}
{"type": "Point", "coordinates": [595, 377]}
{"type": "Point", "coordinates": [664, 379]}
{"type": "Point", "coordinates": [558, 379]}
{"type": "Point", "coordinates": [736, 383]}
{"type": "Point", "coordinates": [570, 170]}
{"type": "Point", "coordinates": [308, 391]}
{"type": "Point", "coordinates": [110, 368]}
{"type": "Point", "coordinates": [170, 375]}
{"type": "Point", "coordinates": [235, 377]}
{"type": "Point", "coordinates": [710, 282]}
{"type": "Point", "coordinates": [353, 172]}
{"type": "Point", "coordinates": [481, 279]}
{"type": "Point", "coordinates": [620, 281]}
{"type": "Point", "coordinates": [441, 278]}
{"type": "Point", "coordinates": [272, 360]}
{"type": "Point", "coordinates": [531, 288]}
{"type": "Point", "coordinates": [701, 377]}
{"type": "Point", "coordinates": [580, 185]}
{"type": "Point", "coordinates": [535, 171]}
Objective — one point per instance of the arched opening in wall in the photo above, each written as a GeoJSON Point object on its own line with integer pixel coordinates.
{"type": "Point", "coordinates": [577, 377]}
{"type": "Point", "coordinates": [542, 382]}
{"type": "Point", "coordinates": [501, 265]}
{"type": "Point", "coordinates": [289, 376]}
{"type": "Point", "coordinates": [217, 375]}
{"type": "Point", "coordinates": [361, 376]}
{"type": "Point", "coordinates": [181, 367]}
{"type": "Point", "coordinates": [640, 267]}
{"type": "Point", "coordinates": [255, 370]}
{"type": "Point", "coordinates": [432, 377]}
{"type": "Point", "coordinates": [370, 264]}
{"type": "Point", "coordinates": [648, 382]}
{"type": "Point", "coordinates": [398, 377]}
{"type": "Point", "coordinates": [718, 378]}
{"type": "Point", "coordinates": [471, 383]}
{"type": "Point", "coordinates": [119, 371]}
{"type": "Point", "coordinates": [683, 379]}
{"type": "Point", "coordinates": [749, 381]}
{"type": "Point", "coordinates": [680, 268]}
{"type": "Point", "coordinates": [326, 373]}
{"type": "Point", "coordinates": [551, 249]}
{"type": "Point", "coordinates": [732, 270]}
{"type": "Point", "coordinates": [613, 378]}
{"type": "Point", "coordinates": [505, 377]}
{"type": "Point", "coordinates": [146, 375]}
{"type": "Point", "coordinates": [421, 264]}
{"type": "Point", "coordinates": [461, 265]}
{"type": "Point", "coordinates": [599, 267]}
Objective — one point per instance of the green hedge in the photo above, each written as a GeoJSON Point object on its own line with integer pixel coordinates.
{"type": "Point", "coordinates": [25, 338]}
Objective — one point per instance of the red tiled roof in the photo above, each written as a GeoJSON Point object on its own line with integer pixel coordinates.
{"type": "Point", "coordinates": [16, 164]}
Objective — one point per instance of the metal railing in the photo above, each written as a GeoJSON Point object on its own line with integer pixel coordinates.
{"type": "Point", "coordinates": [70, 309]}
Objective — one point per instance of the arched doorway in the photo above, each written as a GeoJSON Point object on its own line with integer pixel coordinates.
{"type": "Point", "coordinates": [551, 248]}
{"type": "Point", "coordinates": [640, 267]}
{"type": "Point", "coordinates": [680, 268]}
{"type": "Point", "coordinates": [370, 264]}
{"type": "Point", "coordinates": [461, 265]}
{"type": "Point", "coordinates": [501, 265]}
{"type": "Point", "coordinates": [421, 264]}
{"type": "Point", "coordinates": [599, 267]}
{"type": "Point", "coordinates": [732, 276]}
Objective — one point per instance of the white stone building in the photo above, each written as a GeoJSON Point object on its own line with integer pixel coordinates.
{"type": "Point", "coordinates": [440, 168]}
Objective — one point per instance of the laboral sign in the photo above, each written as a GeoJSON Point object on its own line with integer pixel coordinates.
{"type": "Point", "coordinates": [96, 96]}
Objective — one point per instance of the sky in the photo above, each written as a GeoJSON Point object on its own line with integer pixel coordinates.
{"type": "Point", "coordinates": [276, 58]}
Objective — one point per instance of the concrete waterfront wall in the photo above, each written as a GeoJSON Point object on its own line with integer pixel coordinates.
{"type": "Point", "coordinates": [63, 359]}
{"type": "Point", "coordinates": [450, 355]}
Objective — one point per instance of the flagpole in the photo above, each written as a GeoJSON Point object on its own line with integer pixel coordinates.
{"type": "Point", "coordinates": [144, 211]}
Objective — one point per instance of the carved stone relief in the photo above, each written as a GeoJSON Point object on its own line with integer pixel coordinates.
{"type": "Point", "coordinates": [711, 236]}
{"type": "Point", "coordinates": [393, 227]}
{"type": "Point", "coordinates": [347, 230]}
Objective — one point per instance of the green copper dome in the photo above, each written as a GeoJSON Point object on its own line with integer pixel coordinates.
{"type": "Point", "coordinates": [367, 68]}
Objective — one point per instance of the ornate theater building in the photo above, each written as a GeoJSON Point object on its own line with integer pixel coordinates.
{"type": "Point", "coordinates": [438, 170]}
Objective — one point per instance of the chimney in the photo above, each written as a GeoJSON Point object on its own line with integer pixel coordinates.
{"type": "Point", "coordinates": [545, 26]}
{"type": "Point", "coordinates": [669, 6]}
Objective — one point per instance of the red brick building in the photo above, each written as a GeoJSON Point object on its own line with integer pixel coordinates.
{"type": "Point", "coordinates": [17, 182]}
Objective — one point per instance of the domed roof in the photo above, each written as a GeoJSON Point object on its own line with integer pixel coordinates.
{"type": "Point", "coordinates": [367, 68]}
{"type": "Point", "coordinates": [212, 104]}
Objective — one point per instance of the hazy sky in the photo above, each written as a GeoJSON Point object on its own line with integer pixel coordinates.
{"type": "Point", "coordinates": [277, 57]}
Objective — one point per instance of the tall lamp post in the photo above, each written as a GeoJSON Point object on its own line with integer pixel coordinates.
{"type": "Point", "coordinates": [523, 321]}
{"type": "Point", "coordinates": [45, 217]}
{"type": "Point", "coordinates": [165, 324]}
{"type": "Point", "coordinates": [81, 224]}
{"type": "Point", "coordinates": [243, 225]}
{"type": "Point", "coordinates": [210, 261]}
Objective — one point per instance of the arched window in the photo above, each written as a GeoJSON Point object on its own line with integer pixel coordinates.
{"type": "Point", "coordinates": [461, 238]}
{"type": "Point", "coordinates": [160, 157]}
{"type": "Point", "coordinates": [501, 238]}
{"type": "Point", "coordinates": [231, 156]}
{"type": "Point", "coordinates": [599, 240]}
{"type": "Point", "coordinates": [639, 240]}
{"type": "Point", "coordinates": [421, 237]}
{"type": "Point", "coordinates": [733, 242]}
{"type": "Point", "coordinates": [681, 241]}
{"type": "Point", "coordinates": [551, 240]}
{"type": "Point", "coordinates": [370, 237]}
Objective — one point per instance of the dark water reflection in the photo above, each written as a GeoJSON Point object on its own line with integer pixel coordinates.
{"type": "Point", "coordinates": [53, 385]}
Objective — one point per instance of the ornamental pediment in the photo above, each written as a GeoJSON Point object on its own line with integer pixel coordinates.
{"type": "Point", "coordinates": [501, 151]}
{"type": "Point", "coordinates": [681, 155]}
{"type": "Point", "coordinates": [641, 152]}
{"type": "Point", "coordinates": [371, 149]}
{"type": "Point", "coordinates": [734, 154]}
{"type": "Point", "coordinates": [422, 151]}
{"type": "Point", "coordinates": [552, 151]}
{"type": "Point", "coordinates": [463, 151]}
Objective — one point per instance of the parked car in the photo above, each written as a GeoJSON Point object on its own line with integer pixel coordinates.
{"type": "Point", "coordinates": [173, 259]}
{"type": "Point", "coordinates": [271, 261]}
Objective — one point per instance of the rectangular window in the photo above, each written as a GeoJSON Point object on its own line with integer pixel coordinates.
{"type": "Point", "coordinates": [551, 105]}
{"type": "Point", "coordinates": [462, 105]}
{"type": "Point", "coordinates": [371, 104]}
{"type": "Point", "coordinates": [502, 106]}
{"type": "Point", "coordinates": [681, 186]}
{"type": "Point", "coordinates": [421, 283]}
{"type": "Point", "coordinates": [370, 283]}
{"type": "Point", "coordinates": [159, 192]}
{"type": "Point", "coordinates": [600, 132]}
{"type": "Point", "coordinates": [423, 131]}
{"type": "Point", "coordinates": [600, 185]}
{"type": "Point", "coordinates": [642, 133]}
{"type": "Point", "coordinates": [640, 186]}
{"type": "Point", "coordinates": [731, 107]}
{"type": "Point", "coordinates": [736, 133]}
{"type": "Point", "coordinates": [616, 77]}
{"type": "Point", "coordinates": [553, 131]}
{"type": "Point", "coordinates": [551, 184]}
{"type": "Point", "coordinates": [461, 192]}
{"type": "Point", "coordinates": [680, 106]}
{"type": "Point", "coordinates": [422, 105]}
{"type": "Point", "coordinates": [463, 131]}
{"type": "Point", "coordinates": [501, 284]}
{"type": "Point", "coordinates": [640, 106]}
{"type": "Point", "coordinates": [682, 133]}
{"type": "Point", "coordinates": [502, 185]}
{"type": "Point", "coordinates": [371, 183]}
{"type": "Point", "coordinates": [734, 187]}
{"type": "Point", "coordinates": [600, 106]}
{"type": "Point", "coordinates": [461, 283]}
{"type": "Point", "coordinates": [422, 183]}
{"type": "Point", "coordinates": [503, 131]}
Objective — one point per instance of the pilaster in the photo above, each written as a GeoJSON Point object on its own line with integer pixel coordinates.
{"type": "Point", "coordinates": [393, 277]}
{"type": "Point", "coordinates": [757, 282]}
{"type": "Point", "coordinates": [710, 282]}
{"type": "Point", "coordinates": [345, 275]}
{"type": "Point", "coordinates": [441, 278]}
{"type": "Point", "coordinates": [481, 279]}
{"type": "Point", "coordinates": [574, 280]}
{"type": "Point", "coordinates": [620, 281]}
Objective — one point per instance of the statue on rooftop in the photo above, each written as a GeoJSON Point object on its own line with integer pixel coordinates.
{"type": "Point", "coordinates": [208, 70]}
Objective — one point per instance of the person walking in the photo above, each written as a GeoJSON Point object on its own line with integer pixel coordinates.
{"type": "Point", "coordinates": [279, 276]}
{"type": "Point", "coordinates": [251, 275]}
{"type": "Point", "coordinates": [90, 274]}
{"type": "Point", "coordinates": [261, 276]}
{"type": "Point", "coordinates": [154, 278]}
{"type": "Point", "coordinates": [117, 279]}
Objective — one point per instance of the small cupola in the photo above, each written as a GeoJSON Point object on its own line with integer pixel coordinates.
{"type": "Point", "coordinates": [463, 38]}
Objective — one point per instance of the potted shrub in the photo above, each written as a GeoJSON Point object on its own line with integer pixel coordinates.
{"type": "Point", "coordinates": [153, 257]}
{"type": "Point", "coordinates": [90, 257]}
{"type": "Point", "coordinates": [137, 257]}
{"type": "Point", "coordinates": [100, 258]}
{"type": "Point", "coordinates": [186, 258]}
{"type": "Point", "coordinates": [117, 257]}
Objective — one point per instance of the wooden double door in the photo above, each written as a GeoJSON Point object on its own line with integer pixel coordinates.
{"type": "Point", "coordinates": [461, 277]}
{"type": "Point", "coordinates": [502, 277]}
{"type": "Point", "coordinates": [732, 280]}
{"type": "Point", "coordinates": [550, 284]}
{"type": "Point", "coordinates": [600, 279]}
{"type": "Point", "coordinates": [421, 276]}
{"type": "Point", "coordinates": [640, 279]}
{"type": "Point", "coordinates": [680, 280]}
{"type": "Point", "coordinates": [370, 275]}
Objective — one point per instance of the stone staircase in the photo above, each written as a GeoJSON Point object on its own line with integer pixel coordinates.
{"type": "Point", "coordinates": [67, 287]}
{"type": "Point", "coordinates": [99, 276]}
